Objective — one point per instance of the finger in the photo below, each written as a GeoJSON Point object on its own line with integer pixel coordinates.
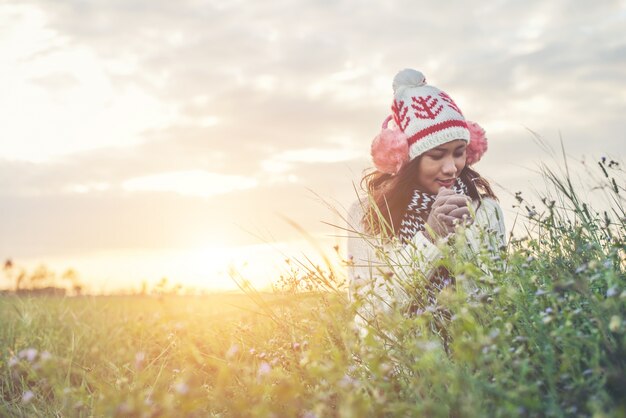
{"type": "Point", "coordinates": [444, 191]}
{"type": "Point", "coordinates": [445, 219]}
{"type": "Point", "coordinates": [460, 212]}
{"type": "Point", "coordinates": [458, 200]}
{"type": "Point", "coordinates": [445, 209]}
{"type": "Point", "coordinates": [441, 198]}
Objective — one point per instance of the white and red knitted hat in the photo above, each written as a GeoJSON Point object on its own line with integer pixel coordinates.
{"type": "Point", "coordinates": [425, 117]}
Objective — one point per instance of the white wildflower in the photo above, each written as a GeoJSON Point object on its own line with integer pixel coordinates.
{"type": "Point", "coordinates": [27, 396]}
{"type": "Point", "coordinates": [140, 359]}
{"type": "Point", "coordinates": [29, 354]}
{"type": "Point", "coordinates": [264, 369]}
{"type": "Point", "coordinates": [181, 388]}
{"type": "Point", "coordinates": [232, 351]}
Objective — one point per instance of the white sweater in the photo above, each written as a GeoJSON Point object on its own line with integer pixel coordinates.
{"type": "Point", "coordinates": [369, 271]}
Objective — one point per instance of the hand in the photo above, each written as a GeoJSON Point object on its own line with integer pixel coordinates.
{"type": "Point", "coordinates": [448, 210]}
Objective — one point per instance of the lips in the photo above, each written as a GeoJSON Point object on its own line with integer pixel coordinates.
{"type": "Point", "coordinates": [447, 183]}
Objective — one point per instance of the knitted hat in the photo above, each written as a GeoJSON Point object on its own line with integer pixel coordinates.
{"type": "Point", "coordinates": [425, 117]}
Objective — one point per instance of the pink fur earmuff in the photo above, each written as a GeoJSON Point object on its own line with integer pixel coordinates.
{"type": "Point", "coordinates": [478, 143]}
{"type": "Point", "coordinates": [390, 149]}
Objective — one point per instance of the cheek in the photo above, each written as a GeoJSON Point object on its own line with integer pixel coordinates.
{"type": "Point", "coordinates": [460, 162]}
{"type": "Point", "coordinates": [429, 167]}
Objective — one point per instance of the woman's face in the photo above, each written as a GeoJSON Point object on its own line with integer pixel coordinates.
{"type": "Point", "coordinates": [439, 167]}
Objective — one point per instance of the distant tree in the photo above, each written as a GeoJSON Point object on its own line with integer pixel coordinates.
{"type": "Point", "coordinates": [42, 277]}
{"type": "Point", "coordinates": [8, 269]}
{"type": "Point", "coordinates": [70, 275]}
{"type": "Point", "coordinates": [14, 274]}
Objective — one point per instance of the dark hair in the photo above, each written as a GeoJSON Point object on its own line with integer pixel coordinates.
{"type": "Point", "coordinates": [391, 194]}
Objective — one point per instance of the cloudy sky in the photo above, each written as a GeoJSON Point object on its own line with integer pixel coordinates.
{"type": "Point", "coordinates": [148, 138]}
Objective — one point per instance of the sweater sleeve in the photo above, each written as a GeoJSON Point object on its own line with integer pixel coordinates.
{"type": "Point", "coordinates": [487, 232]}
{"type": "Point", "coordinates": [378, 272]}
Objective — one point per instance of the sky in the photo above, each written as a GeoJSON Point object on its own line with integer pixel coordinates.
{"type": "Point", "coordinates": [143, 139]}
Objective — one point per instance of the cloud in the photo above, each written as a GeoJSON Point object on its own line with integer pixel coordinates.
{"type": "Point", "coordinates": [189, 183]}
{"type": "Point", "coordinates": [288, 94]}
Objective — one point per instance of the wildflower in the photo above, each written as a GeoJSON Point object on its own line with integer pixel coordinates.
{"type": "Point", "coordinates": [45, 356]}
{"type": "Point", "coordinates": [386, 369]}
{"type": "Point", "coordinates": [264, 369]}
{"type": "Point", "coordinates": [615, 324]}
{"type": "Point", "coordinates": [27, 396]}
{"type": "Point", "coordinates": [124, 409]}
{"type": "Point", "coordinates": [581, 269]}
{"type": "Point", "coordinates": [612, 291]}
{"type": "Point", "coordinates": [234, 349]}
{"type": "Point", "coordinates": [13, 361]}
{"type": "Point", "coordinates": [379, 396]}
{"type": "Point", "coordinates": [572, 410]}
{"type": "Point", "coordinates": [181, 388]}
{"type": "Point", "coordinates": [29, 354]}
{"type": "Point", "coordinates": [428, 345]}
{"type": "Point", "coordinates": [140, 358]}
{"type": "Point", "coordinates": [346, 381]}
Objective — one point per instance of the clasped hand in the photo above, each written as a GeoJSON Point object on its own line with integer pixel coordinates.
{"type": "Point", "coordinates": [449, 210]}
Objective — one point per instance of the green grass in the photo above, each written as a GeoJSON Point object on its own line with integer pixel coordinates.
{"type": "Point", "coordinates": [544, 335]}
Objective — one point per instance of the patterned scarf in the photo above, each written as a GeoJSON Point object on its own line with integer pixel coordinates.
{"type": "Point", "coordinates": [413, 221]}
{"type": "Point", "coordinates": [417, 212]}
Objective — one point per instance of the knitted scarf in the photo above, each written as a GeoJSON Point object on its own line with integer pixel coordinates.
{"type": "Point", "coordinates": [418, 210]}
{"type": "Point", "coordinates": [414, 221]}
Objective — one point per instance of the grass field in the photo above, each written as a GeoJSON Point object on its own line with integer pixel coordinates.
{"type": "Point", "coordinates": [544, 335]}
{"type": "Point", "coordinates": [142, 355]}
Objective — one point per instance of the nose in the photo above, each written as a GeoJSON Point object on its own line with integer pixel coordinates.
{"type": "Point", "coordinates": [449, 167]}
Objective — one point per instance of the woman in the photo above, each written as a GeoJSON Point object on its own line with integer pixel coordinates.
{"type": "Point", "coordinates": [423, 188]}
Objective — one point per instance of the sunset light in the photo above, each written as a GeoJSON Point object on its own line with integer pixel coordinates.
{"type": "Point", "coordinates": [310, 209]}
{"type": "Point", "coordinates": [134, 135]}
